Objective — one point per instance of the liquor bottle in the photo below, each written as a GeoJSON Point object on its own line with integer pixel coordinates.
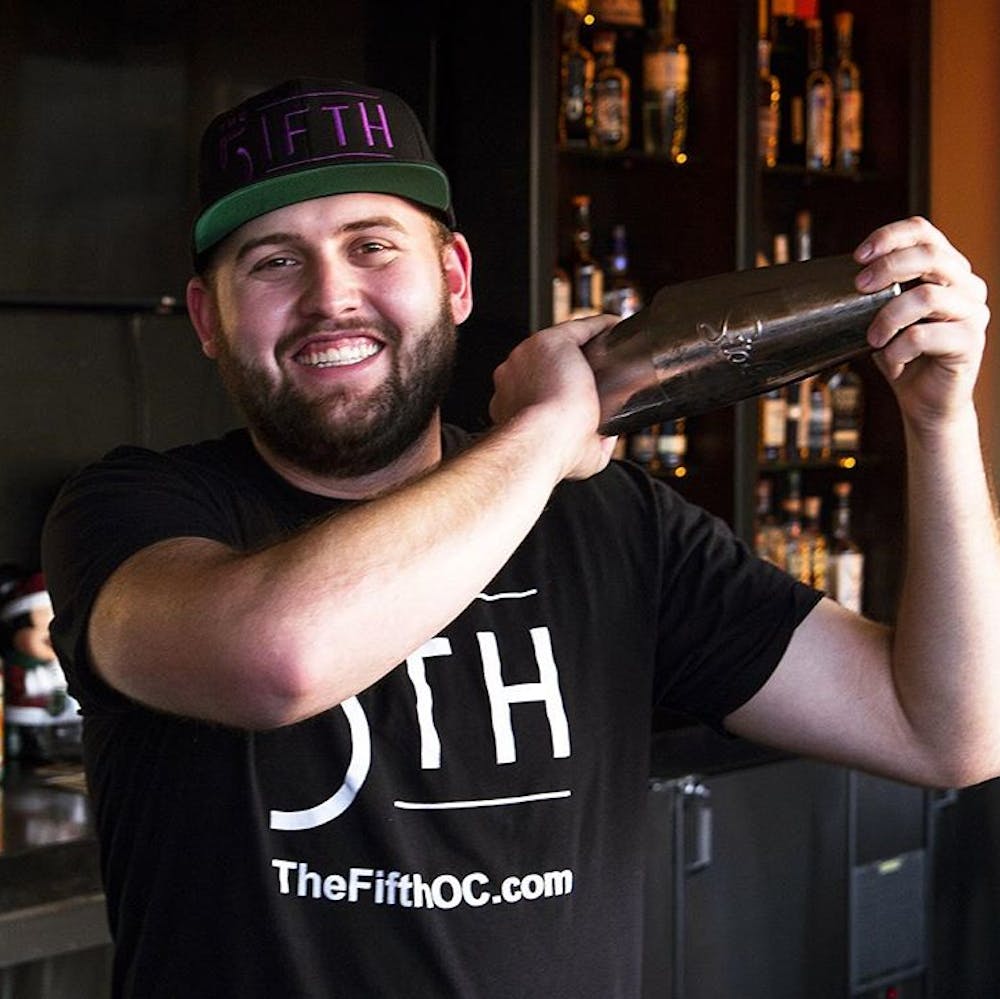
{"type": "Point", "coordinates": [576, 85]}
{"type": "Point", "coordinates": [820, 418]}
{"type": "Point", "coordinates": [612, 97]}
{"type": "Point", "coordinates": [622, 296]}
{"type": "Point", "coordinates": [769, 538]}
{"type": "Point", "coordinates": [773, 419]}
{"type": "Point", "coordinates": [587, 274]}
{"type": "Point", "coordinates": [642, 446]}
{"type": "Point", "coordinates": [768, 106]}
{"type": "Point", "coordinates": [816, 542]}
{"type": "Point", "coordinates": [796, 421]}
{"type": "Point", "coordinates": [781, 248]}
{"type": "Point", "coordinates": [665, 73]}
{"type": "Point", "coordinates": [562, 295]}
{"type": "Point", "coordinates": [796, 544]}
{"type": "Point", "coordinates": [846, 406]}
{"type": "Point", "coordinates": [708, 343]}
{"type": "Point", "coordinates": [846, 561]}
{"type": "Point", "coordinates": [671, 447]}
{"type": "Point", "coordinates": [848, 96]}
{"type": "Point", "coordinates": [621, 13]}
{"type": "Point", "coordinates": [803, 234]}
{"type": "Point", "coordinates": [819, 103]}
{"type": "Point", "coordinates": [789, 64]}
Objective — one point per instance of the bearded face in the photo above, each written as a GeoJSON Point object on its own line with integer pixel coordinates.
{"type": "Point", "coordinates": [340, 433]}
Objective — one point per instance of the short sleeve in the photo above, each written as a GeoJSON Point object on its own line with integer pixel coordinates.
{"type": "Point", "coordinates": [103, 515]}
{"type": "Point", "coordinates": [726, 616]}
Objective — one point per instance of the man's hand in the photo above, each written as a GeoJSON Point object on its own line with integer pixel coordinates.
{"type": "Point", "coordinates": [929, 340]}
{"type": "Point", "coordinates": [548, 377]}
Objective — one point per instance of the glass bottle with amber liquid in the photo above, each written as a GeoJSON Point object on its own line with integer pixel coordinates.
{"type": "Point", "coordinates": [788, 63]}
{"type": "Point", "coordinates": [816, 542]}
{"type": "Point", "coordinates": [796, 543]}
{"type": "Point", "coordinates": [768, 106]}
{"type": "Point", "coordinates": [665, 74]}
{"type": "Point", "coordinates": [576, 85]}
{"type": "Point", "coordinates": [612, 130]}
{"type": "Point", "coordinates": [847, 93]}
{"type": "Point", "coordinates": [773, 425]}
{"type": "Point", "coordinates": [768, 92]}
{"type": "Point", "coordinates": [846, 405]}
{"type": "Point", "coordinates": [819, 103]}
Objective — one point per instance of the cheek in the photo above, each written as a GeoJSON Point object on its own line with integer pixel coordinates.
{"type": "Point", "coordinates": [252, 328]}
{"type": "Point", "coordinates": [413, 301]}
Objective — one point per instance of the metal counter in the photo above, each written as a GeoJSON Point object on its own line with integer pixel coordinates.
{"type": "Point", "coordinates": [51, 901]}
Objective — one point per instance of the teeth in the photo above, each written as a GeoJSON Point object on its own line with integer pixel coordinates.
{"type": "Point", "coordinates": [334, 356]}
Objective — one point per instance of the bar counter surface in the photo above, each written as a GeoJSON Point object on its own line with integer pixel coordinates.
{"type": "Point", "coordinates": [51, 901]}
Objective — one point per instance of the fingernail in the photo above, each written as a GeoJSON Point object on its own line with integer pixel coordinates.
{"type": "Point", "coordinates": [864, 251]}
{"type": "Point", "coordinates": [865, 279]}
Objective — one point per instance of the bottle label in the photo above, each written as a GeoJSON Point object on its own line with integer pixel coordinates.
{"type": "Point", "coordinates": [611, 118]}
{"type": "Point", "coordinates": [665, 70]}
{"type": "Point", "coordinates": [797, 120]}
{"type": "Point", "coordinates": [627, 13]}
{"type": "Point", "coordinates": [672, 447]}
{"type": "Point", "coordinates": [819, 126]}
{"type": "Point", "coordinates": [846, 404]}
{"type": "Point", "coordinates": [849, 123]}
{"type": "Point", "coordinates": [575, 101]}
{"type": "Point", "coordinates": [767, 129]}
{"type": "Point", "coordinates": [642, 447]}
{"type": "Point", "coordinates": [773, 422]}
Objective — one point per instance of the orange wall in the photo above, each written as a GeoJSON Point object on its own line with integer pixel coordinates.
{"type": "Point", "coordinates": [965, 164]}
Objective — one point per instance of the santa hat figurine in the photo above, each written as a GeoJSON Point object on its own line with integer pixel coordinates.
{"type": "Point", "coordinates": [42, 719]}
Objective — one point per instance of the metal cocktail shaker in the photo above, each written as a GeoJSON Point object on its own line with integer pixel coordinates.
{"type": "Point", "coordinates": [704, 344]}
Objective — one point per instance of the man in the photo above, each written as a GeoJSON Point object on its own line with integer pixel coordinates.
{"type": "Point", "coordinates": [366, 701]}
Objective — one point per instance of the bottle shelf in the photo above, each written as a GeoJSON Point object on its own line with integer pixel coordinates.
{"type": "Point", "coordinates": [846, 463]}
{"type": "Point", "coordinates": [623, 157]}
{"type": "Point", "coordinates": [721, 211]}
{"type": "Point", "coordinates": [806, 175]}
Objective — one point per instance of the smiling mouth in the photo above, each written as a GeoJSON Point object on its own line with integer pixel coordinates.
{"type": "Point", "coordinates": [340, 355]}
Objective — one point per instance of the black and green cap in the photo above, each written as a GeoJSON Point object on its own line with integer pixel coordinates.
{"type": "Point", "coordinates": [307, 139]}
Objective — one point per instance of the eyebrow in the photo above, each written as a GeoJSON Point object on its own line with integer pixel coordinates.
{"type": "Point", "coordinates": [360, 225]}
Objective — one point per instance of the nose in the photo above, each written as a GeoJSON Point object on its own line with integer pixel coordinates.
{"type": "Point", "coordinates": [332, 287]}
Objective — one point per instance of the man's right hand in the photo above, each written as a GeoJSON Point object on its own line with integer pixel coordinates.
{"type": "Point", "coordinates": [548, 378]}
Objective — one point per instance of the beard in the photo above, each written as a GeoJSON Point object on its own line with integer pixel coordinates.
{"type": "Point", "coordinates": [339, 434]}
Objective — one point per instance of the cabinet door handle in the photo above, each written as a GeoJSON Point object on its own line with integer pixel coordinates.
{"type": "Point", "coordinates": [943, 798]}
{"type": "Point", "coordinates": [697, 800]}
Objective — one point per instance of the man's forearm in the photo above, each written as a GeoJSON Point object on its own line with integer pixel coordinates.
{"type": "Point", "coordinates": [276, 635]}
{"type": "Point", "coordinates": [946, 649]}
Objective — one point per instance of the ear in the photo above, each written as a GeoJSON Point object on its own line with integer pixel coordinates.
{"type": "Point", "coordinates": [204, 315]}
{"type": "Point", "coordinates": [458, 272]}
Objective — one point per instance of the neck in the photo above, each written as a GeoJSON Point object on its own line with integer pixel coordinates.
{"type": "Point", "coordinates": [420, 457]}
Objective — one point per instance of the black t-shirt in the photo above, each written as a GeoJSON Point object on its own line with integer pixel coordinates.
{"type": "Point", "coordinates": [470, 825]}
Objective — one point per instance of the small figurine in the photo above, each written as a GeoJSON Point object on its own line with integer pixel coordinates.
{"type": "Point", "coordinates": [42, 719]}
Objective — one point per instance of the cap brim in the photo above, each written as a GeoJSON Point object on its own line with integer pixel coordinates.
{"type": "Point", "coordinates": [420, 182]}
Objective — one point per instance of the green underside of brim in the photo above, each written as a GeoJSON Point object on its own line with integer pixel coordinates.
{"type": "Point", "coordinates": [417, 181]}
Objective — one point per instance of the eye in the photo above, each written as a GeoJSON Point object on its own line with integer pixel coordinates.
{"type": "Point", "coordinates": [373, 252]}
{"type": "Point", "coordinates": [273, 263]}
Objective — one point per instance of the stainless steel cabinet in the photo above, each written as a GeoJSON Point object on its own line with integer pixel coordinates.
{"type": "Point", "coordinates": [784, 880]}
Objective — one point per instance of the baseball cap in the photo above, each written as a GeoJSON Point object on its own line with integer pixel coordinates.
{"type": "Point", "coordinates": [308, 138]}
